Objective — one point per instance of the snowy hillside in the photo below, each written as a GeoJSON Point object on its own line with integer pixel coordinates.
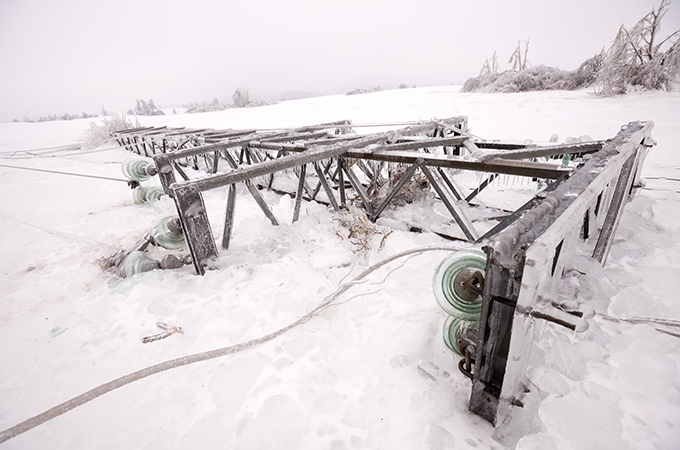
{"type": "Point", "coordinates": [372, 370]}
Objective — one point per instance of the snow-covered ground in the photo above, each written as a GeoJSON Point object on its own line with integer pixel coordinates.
{"type": "Point", "coordinates": [371, 371]}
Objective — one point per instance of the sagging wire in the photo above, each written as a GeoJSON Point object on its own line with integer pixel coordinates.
{"type": "Point", "coordinates": [45, 150]}
{"type": "Point", "coordinates": [392, 271]}
{"type": "Point", "coordinates": [87, 152]}
{"type": "Point", "coordinates": [355, 296]}
{"type": "Point", "coordinates": [198, 357]}
{"type": "Point", "coordinates": [61, 233]}
{"type": "Point", "coordinates": [651, 321]}
{"type": "Point", "coordinates": [43, 156]}
{"type": "Point", "coordinates": [662, 178]}
{"type": "Point", "coordinates": [66, 173]}
{"type": "Point", "coordinates": [647, 188]}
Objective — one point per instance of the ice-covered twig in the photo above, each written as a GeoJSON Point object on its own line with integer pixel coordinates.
{"type": "Point", "coordinates": [169, 331]}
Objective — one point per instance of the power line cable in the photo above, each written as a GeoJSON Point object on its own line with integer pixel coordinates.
{"type": "Point", "coordinates": [66, 173]}
{"type": "Point", "coordinates": [198, 357]}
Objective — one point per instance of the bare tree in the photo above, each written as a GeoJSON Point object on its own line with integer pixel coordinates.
{"type": "Point", "coordinates": [637, 58]}
{"type": "Point", "coordinates": [518, 59]}
{"type": "Point", "coordinates": [643, 35]}
{"type": "Point", "coordinates": [241, 97]}
{"type": "Point", "coordinates": [489, 67]}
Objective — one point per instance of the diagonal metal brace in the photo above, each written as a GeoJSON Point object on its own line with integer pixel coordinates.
{"type": "Point", "coordinates": [356, 184]}
{"type": "Point", "coordinates": [407, 176]}
{"type": "Point", "coordinates": [456, 211]}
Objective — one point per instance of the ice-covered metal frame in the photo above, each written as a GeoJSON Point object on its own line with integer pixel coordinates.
{"type": "Point", "coordinates": [296, 149]}
{"type": "Point", "coordinates": [433, 147]}
{"type": "Point", "coordinates": [526, 260]}
{"type": "Point", "coordinates": [527, 251]}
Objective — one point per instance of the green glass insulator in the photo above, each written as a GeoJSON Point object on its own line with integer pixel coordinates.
{"type": "Point", "coordinates": [139, 194]}
{"type": "Point", "coordinates": [135, 169]}
{"type": "Point", "coordinates": [167, 233]}
{"type": "Point", "coordinates": [153, 194]}
{"type": "Point", "coordinates": [458, 333]}
{"type": "Point", "coordinates": [138, 262]}
{"type": "Point", "coordinates": [457, 283]}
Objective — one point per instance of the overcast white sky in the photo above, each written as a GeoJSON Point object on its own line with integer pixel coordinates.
{"type": "Point", "coordinates": [75, 55]}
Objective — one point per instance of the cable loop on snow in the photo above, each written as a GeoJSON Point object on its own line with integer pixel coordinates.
{"type": "Point", "coordinates": [198, 357]}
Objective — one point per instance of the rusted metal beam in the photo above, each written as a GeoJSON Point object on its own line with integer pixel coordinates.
{"type": "Point", "coordinates": [261, 202]}
{"type": "Point", "coordinates": [424, 143]}
{"type": "Point", "coordinates": [286, 162]}
{"type": "Point", "coordinates": [506, 222]}
{"type": "Point", "coordinates": [448, 179]}
{"type": "Point", "coordinates": [400, 184]}
{"type": "Point", "coordinates": [294, 137]}
{"type": "Point", "coordinates": [481, 187]}
{"type": "Point", "coordinates": [326, 187]}
{"type": "Point", "coordinates": [456, 212]}
{"type": "Point", "coordinates": [550, 150]}
{"type": "Point", "coordinates": [229, 217]}
{"type": "Point", "coordinates": [195, 225]}
{"type": "Point", "coordinates": [237, 142]}
{"type": "Point", "coordinates": [521, 168]}
{"type": "Point", "coordinates": [245, 140]}
{"type": "Point", "coordinates": [365, 199]}
{"type": "Point", "coordinates": [299, 192]}
{"type": "Point", "coordinates": [498, 145]}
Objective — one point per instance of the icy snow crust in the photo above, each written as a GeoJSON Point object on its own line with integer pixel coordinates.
{"type": "Point", "coordinates": [369, 372]}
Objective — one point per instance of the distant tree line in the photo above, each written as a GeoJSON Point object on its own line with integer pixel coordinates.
{"type": "Point", "coordinates": [146, 109]}
{"type": "Point", "coordinates": [214, 105]}
{"type": "Point", "coordinates": [364, 91]}
{"type": "Point", "coordinates": [374, 89]}
{"type": "Point", "coordinates": [53, 117]}
{"type": "Point", "coordinates": [241, 99]}
{"type": "Point", "coordinates": [638, 58]}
